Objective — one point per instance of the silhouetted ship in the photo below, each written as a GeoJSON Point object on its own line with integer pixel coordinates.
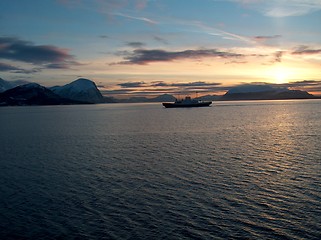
{"type": "Point", "coordinates": [187, 103]}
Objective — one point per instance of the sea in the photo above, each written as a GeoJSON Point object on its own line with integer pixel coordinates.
{"type": "Point", "coordinates": [235, 170]}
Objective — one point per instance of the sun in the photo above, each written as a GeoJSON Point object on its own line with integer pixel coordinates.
{"type": "Point", "coordinates": [280, 74]}
{"type": "Point", "coordinates": [280, 77]}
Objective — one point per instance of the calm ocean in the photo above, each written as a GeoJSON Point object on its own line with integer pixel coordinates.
{"type": "Point", "coordinates": [236, 170]}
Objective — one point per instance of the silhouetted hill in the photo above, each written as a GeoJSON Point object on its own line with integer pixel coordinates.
{"type": "Point", "coordinates": [161, 98]}
{"type": "Point", "coordinates": [294, 94]}
{"type": "Point", "coordinates": [264, 92]}
{"type": "Point", "coordinates": [209, 98]}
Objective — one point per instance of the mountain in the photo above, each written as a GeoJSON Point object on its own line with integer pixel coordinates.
{"type": "Point", "coordinates": [6, 85]}
{"type": "Point", "coordinates": [264, 92]}
{"type": "Point", "coordinates": [133, 100]}
{"type": "Point", "coordinates": [80, 90]}
{"type": "Point", "coordinates": [163, 98]}
{"type": "Point", "coordinates": [294, 94]}
{"type": "Point", "coordinates": [31, 94]}
{"type": "Point", "coordinates": [253, 88]}
{"type": "Point", "coordinates": [209, 97]}
{"type": "Point", "coordinates": [160, 98]}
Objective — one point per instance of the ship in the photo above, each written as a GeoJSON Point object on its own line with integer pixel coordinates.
{"type": "Point", "coordinates": [188, 102]}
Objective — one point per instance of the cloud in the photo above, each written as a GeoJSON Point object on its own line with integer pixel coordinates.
{"type": "Point", "coordinates": [7, 67]}
{"type": "Point", "coordinates": [189, 84]}
{"type": "Point", "coordinates": [24, 51]}
{"type": "Point", "coordinates": [278, 56]}
{"type": "Point", "coordinates": [99, 5]}
{"type": "Point", "coordinates": [160, 87]}
{"type": "Point", "coordinates": [28, 71]}
{"type": "Point", "coordinates": [135, 44]}
{"type": "Point", "coordinates": [161, 40]}
{"type": "Point", "coordinates": [305, 50]}
{"type": "Point", "coordinates": [144, 19]}
{"type": "Point", "coordinates": [131, 84]}
{"type": "Point", "coordinates": [306, 85]}
{"type": "Point", "coordinates": [43, 56]}
{"type": "Point", "coordinates": [106, 4]}
{"type": "Point", "coordinates": [57, 66]}
{"type": "Point", "coordinates": [266, 39]}
{"type": "Point", "coordinates": [4, 67]}
{"type": "Point", "coordinates": [282, 8]}
{"type": "Point", "coordinates": [143, 56]}
{"type": "Point", "coordinates": [217, 32]}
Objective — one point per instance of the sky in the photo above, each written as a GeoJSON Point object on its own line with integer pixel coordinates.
{"type": "Point", "coordinates": [152, 47]}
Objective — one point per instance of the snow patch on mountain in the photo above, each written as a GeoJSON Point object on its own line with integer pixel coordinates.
{"type": "Point", "coordinates": [81, 89]}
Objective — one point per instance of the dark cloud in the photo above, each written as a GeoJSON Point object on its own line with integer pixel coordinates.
{"type": "Point", "coordinates": [131, 84]}
{"type": "Point", "coordinates": [195, 84]}
{"type": "Point", "coordinates": [190, 84]}
{"type": "Point", "coordinates": [273, 40]}
{"type": "Point", "coordinates": [135, 44]}
{"type": "Point", "coordinates": [278, 56]}
{"type": "Point", "coordinates": [265, 38]}
{"type": "Point", "coordinates": [162, 84]}
{"type": "Point", "coordinates": [161, 87]}
{"type": "Point", "coordinates": [305, 50]}
{"type": "Point", "coordinates": [24, 51]}
{"type": "Point", "coordinates": [303, 84]}
{"type": "Point", "coordinates": [59, 65]}
{"type": "Point", "coordinates": [28, 71]}
{"type": "Point", "coordinates": [161, 40]}
{"type": "Point", "coordinates": [142, 56]}
{"type": "Point", "coordinates": [7, 67]}
{"type": "Point", "coordinates": [103, 36]}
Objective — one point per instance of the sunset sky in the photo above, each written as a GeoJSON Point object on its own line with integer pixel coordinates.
{"type": "Point", "coordinates": [150, 47]}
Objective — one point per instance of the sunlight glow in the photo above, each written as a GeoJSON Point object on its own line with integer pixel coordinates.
{"type": "Point", "coordinates": [280, 74]}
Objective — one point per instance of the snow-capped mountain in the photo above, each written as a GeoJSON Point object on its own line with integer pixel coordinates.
{"type": "Point", "coordinates": [80, 90]}
{"type": "Point", "coordinates": [6, 85]}
{"type": "Point", "coordinates": [30, 94]}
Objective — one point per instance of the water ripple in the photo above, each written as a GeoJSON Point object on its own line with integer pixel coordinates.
{"type": "Point", "coordinates": [249, 171]}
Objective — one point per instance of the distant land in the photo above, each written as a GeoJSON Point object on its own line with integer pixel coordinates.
{"type": "Point", "coordinates": [85, 91]}
{"type": "Point", "coordinates": [264, 92]}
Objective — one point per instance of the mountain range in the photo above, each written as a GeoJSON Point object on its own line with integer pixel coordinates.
{"type": "Point", "coordinates": [85, 91]}
{"type": "Point", "coordinates": [263, 92]}
{"type": "Point", "coordinates": [81, 91]}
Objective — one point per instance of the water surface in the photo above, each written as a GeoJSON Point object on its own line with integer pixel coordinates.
{"type": "Point", "coordinates": [139, 171]}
